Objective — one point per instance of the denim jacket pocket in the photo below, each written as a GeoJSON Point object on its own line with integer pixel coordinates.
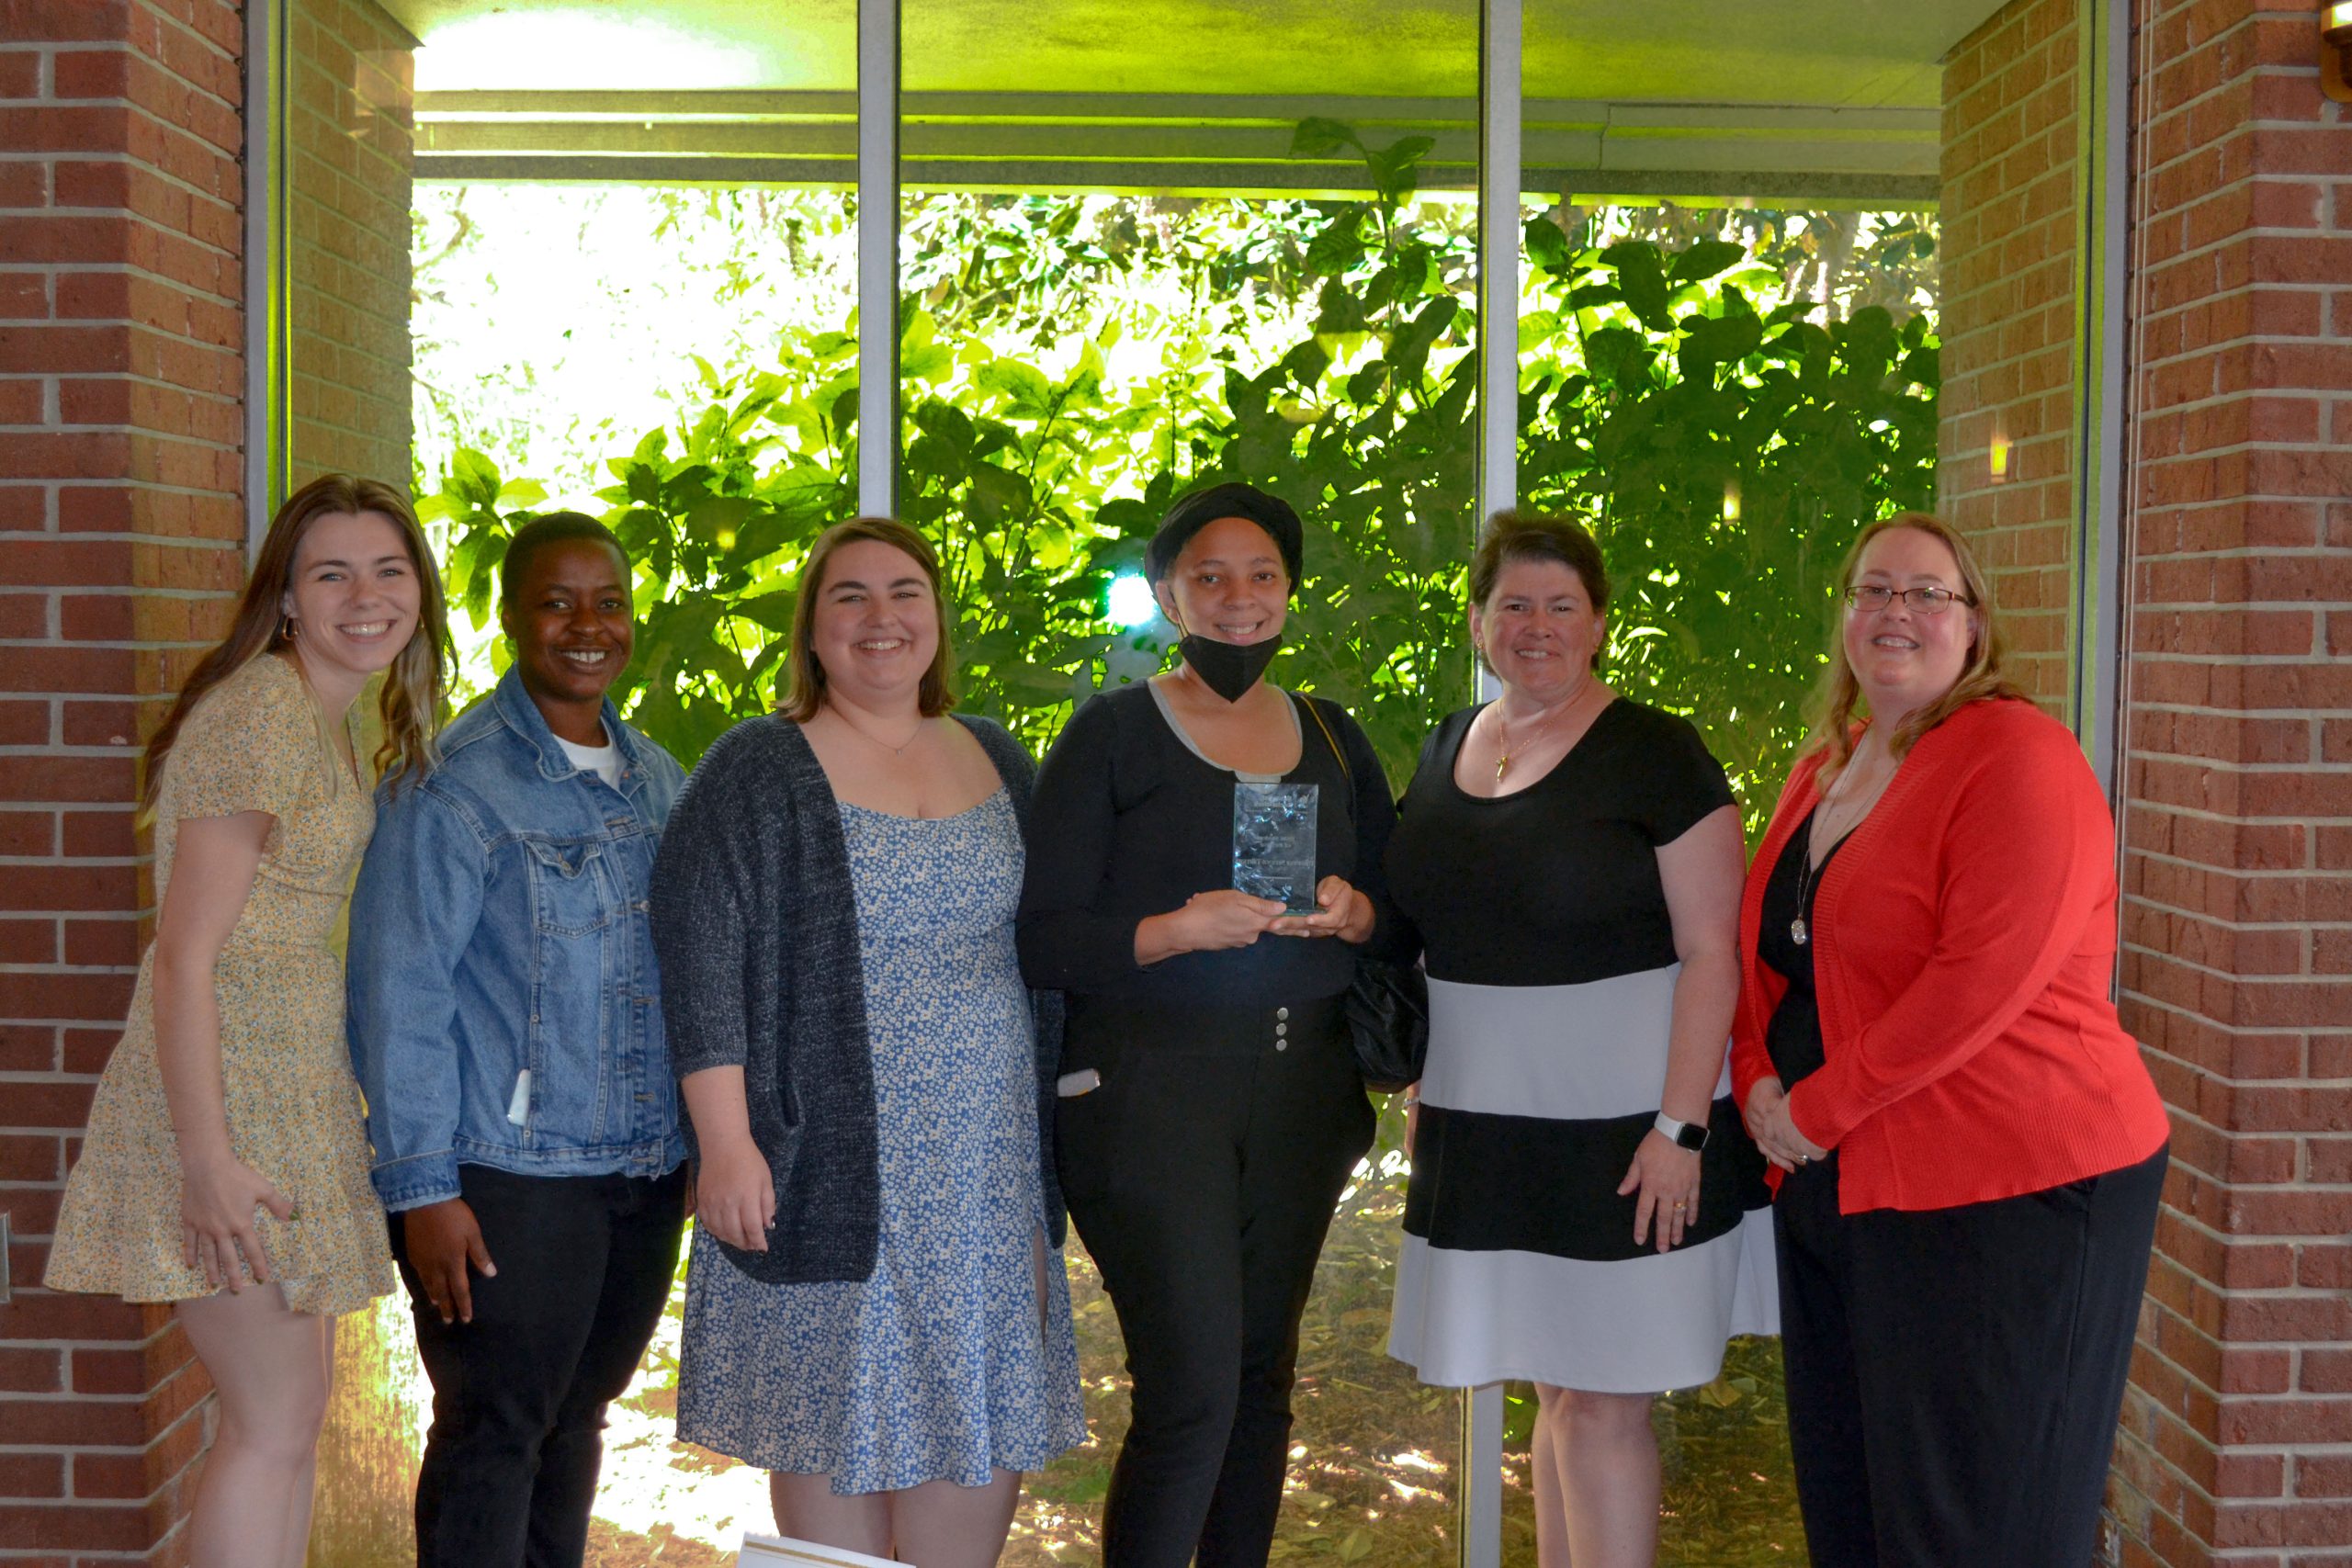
{"type": "Point", "coordinates": [570, 886]}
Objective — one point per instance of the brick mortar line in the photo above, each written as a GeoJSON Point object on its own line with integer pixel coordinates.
{"type": "Point", "coordinates": [2311, 606]}
{"type": "Point", "coordinates": [2208, 764]}
{"type": "Point", "coordinates": [2255, 177]}
{"type": "Point", "coordinates": [96, 536]}
{"type": "Point", "coordinates": [96, 269]}
{"type": "Point", "coordinates": [2282, 287]}
{"type": "Point", "coordinates": [116, 155]}
{"type": "Point", "coordinates": [109, 377]}
{"type": "Point", "coordinates": [117, 428]}
{"type": "Point", "coordinates": [100, 591]}
{"type": "Point", "coordinates": [2231, 927]}
{"type": "Point", "coordinates": [133, 324]}
{"type": "Point", "coordinates": [2212, 249]}
{"type": "Point", "coordinates": [2329, 395]}
{"type": "Point", "coordinates": [150, 489]}
{"type": "Point", "coordinates": [2172, 1009]}
{"type": "Point", "coordinates": [54, 47]}
{"type": "Point", "coordinates": [2227, 1238]}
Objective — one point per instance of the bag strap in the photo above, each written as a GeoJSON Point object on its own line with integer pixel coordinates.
{"type": "Point", "coordinates": [1315, 711]}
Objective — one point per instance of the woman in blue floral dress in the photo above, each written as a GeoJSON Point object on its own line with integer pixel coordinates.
{"type": "Point", "coordinates": [876, 1311]}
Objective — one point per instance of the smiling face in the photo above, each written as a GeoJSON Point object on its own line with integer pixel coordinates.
{"type": "Point", "coordinates": [875, 629]}
{"type": "Point", "coordinates": [1228, 583]}
{"type": "Point", "coordinates": [1539, 628]}
{"type": "Point", "coordinates": [352, 597]}
{"type": "Point", "coordinates": [572, 622]}
{"type": "Point", "coordinates": [1901, 657]}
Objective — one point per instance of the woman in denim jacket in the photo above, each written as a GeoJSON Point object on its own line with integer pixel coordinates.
{"type": "Point", "coordinates": [506, 1026]}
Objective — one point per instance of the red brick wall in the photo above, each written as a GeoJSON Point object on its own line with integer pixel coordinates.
{"type": "Point", "coordinates": [2237, 1443]}
{"type": "Point", "coordinates": [121, 527]}
{"type": "Point", "coordinates": [2010, 219]}
{"type": "Point", "coordinates": [350, 147]}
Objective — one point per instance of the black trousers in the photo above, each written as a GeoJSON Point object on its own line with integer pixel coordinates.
{"type": "Point", "coordinates": [585, 1264]}
{"type": "Point", "coordinates": [1202, 1185]}
{"type": "Point", "coordinates": [1955, 1375]}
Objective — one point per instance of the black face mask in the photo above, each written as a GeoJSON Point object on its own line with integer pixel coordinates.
{"type": "Point", "coordinates": [1229, 669]}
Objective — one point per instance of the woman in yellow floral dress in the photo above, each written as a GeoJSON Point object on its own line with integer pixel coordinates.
{"type": "Point", "coordinates": [225, 1168]}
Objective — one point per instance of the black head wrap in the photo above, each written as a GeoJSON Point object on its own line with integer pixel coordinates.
{"type": "Point", "coordinates": [1202, 507]}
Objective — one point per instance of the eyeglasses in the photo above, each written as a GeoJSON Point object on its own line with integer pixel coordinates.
{"type": "Point", "coordinates": [1930, 600]}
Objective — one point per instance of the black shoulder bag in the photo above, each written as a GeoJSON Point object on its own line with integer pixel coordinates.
{"type": "Point", "coordinates": [1388, 1004]}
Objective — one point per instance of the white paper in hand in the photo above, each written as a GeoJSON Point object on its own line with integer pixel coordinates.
{"type": "Point", "coordinates": [776, 1551]}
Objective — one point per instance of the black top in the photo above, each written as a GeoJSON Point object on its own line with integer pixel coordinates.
{"type": "Point", "coordinates": [1793, 1035]}
{"type": "Point", "coordinates": [1557, 884]}
{"type": "Point", "coordinates": [755, 926]}
{"type": "Point", "coordinates": [1131, 822]}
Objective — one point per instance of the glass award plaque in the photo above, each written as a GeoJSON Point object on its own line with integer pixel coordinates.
{"type": "Point", "coordinates": [1273, 843]}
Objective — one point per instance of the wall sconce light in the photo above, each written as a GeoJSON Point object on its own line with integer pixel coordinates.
{"type": "Point", "coordinates": [1997, 455]}
{"type": "Point", "coordinates": [2336, 50]}
{"type": "Point", "coordinates": [1731, 501]}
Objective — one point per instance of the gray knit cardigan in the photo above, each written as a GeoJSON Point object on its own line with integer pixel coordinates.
{"type": "Point", "coordinates": [755, 926]}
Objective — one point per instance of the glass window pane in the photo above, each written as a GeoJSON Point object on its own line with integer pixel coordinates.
{"type": "Point", "coordinates": [1148, 246]}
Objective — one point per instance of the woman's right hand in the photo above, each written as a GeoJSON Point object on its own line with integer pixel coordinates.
{"type": "Point", "coordinates": [1226, 917]}
{"type": "Point", "coordinates": [735, 1194]}
{"type": "Point", "coordinates": [218, 1231]}
{"type": "Point", "coordinates": [1767, 1128]}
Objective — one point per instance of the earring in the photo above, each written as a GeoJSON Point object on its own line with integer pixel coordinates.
{"type": "Point", "coordinates": [286, 629]}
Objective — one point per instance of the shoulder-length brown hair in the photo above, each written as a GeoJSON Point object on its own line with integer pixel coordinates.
{"type": "Point", "coordinates": [409, 700]}
{"type": "Point", "coordinates": [1840, 692]}
{"type": "Point", "coordinates": [804, 690]}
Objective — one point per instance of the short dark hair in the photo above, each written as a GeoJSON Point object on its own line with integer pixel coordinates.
{"type": "Point", "coordinates": [1197, 510]}
{"type": "Point", "coordinates": [804, 688]}
{"type": "Point", "coordinates": [1513, 536]}
{"type": "Point", "coordinates": [549, 528]}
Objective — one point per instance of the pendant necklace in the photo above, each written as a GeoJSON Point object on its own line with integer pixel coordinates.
{"type": "Point", "coordinates": [1502, 729]}
{"type": "Point", "coordinates": [1799, 932]}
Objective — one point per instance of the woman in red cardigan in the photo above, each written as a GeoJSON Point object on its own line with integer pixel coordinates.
{"type": "Point", "coordinates": [1969, 1152]}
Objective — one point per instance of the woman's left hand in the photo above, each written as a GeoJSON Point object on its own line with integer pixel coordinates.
{"type": "Point", "coordinates": [1775, 1130]}
{"type": "Point", "coordinates": [1666, 1175]}
{"type": "Point", "coordinates": [1342, 912]}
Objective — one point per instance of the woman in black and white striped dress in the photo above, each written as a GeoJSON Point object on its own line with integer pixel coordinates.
{"type": "Point", "coordinates": [1586, 1209]}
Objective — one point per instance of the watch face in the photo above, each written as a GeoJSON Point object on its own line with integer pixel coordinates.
{"type": "Point", "coordinates": [1693, 1136]}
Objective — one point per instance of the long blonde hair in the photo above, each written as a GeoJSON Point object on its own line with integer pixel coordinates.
{"type": "Point", "coordinates": [410, 700]}
{"type": "Point", "coordinates": [1840, 692]}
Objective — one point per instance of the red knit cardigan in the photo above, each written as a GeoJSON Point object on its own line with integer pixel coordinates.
{"type": "Point", "coordinates": [1962, 943]}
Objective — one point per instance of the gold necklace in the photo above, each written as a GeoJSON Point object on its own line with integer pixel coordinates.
{"type": "Point", "coordinates": [898, 751]}
{"type": "Point", "coordinates": [1502, 727]}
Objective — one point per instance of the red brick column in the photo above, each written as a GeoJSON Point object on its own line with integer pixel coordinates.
{"type": "Point", "coordinates": [2237, 1442]}
{"type": "Point", "coordinates": [350, 147]}
{"type": "Point", "coordinates": [2010, 222]}
{"type": "Point", "coordinates": [120, 533]}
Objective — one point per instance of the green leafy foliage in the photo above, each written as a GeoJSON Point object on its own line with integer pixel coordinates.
{"type": "Point", "coordinates": [1725, 458]}
{"type": "Point", "coordinates": [1654, 381]}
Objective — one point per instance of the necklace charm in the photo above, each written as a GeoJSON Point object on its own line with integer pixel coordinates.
{"type": "Point", "coordinates": [1501, 763]}
{"type": "Point", "coordinates": [1797, 931]}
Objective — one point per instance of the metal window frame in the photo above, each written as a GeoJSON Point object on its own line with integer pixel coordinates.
{"type": "Point", "coordinates": [269, 364]}
{"type": "Point", "coordinates": [2102, 254]}
{"type": "Point", "coordinates": [878, 257]}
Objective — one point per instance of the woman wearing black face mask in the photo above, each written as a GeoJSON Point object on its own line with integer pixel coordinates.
{"type": "Point", "coordinates": [1210, 1110]}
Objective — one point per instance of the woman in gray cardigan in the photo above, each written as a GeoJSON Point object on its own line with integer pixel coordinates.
{"type": "Point", "coordinates": [876, 1308]}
